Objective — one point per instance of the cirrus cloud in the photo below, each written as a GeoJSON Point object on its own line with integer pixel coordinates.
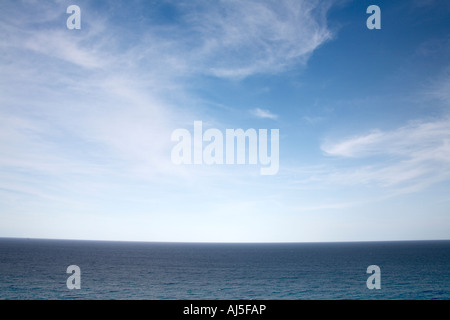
{"type": "Point", "coordinates": [264, 114]}
{"type": "Point", "coordinates": [415, 156]}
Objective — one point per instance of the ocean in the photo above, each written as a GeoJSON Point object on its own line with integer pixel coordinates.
{"type": "Point", "coordinates": [408, 270]}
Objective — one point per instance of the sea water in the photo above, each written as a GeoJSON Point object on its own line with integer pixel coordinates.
{"type": "Point", "coordinates": [37, 269]}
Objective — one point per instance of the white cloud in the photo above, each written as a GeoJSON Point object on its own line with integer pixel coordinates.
{"type": "Point", "coordinates": [414, 156]}
{"type": "Point", "coordinates": [59, 45]}
{"type": "Point", "coordinates": [89, 111]}
{"type": "Point", "coordinates": [105, 90]}
{"type": "Point", "coordinates": [440, 89]}
{"type": "Point", "coordinates": [86, 116]}
{"type": "Point", "coordinates": [264, 114]}
{"type": "Point", "coordinates": [237, 39]}
{"type": "Point", "coordinates": [356, 146]}
{"type": "Point", "coordinates": [229, 39]}
{"type": "Point", "coordinates": [313, 120]}
{"type": "Point", "coordinates": [406, 141]}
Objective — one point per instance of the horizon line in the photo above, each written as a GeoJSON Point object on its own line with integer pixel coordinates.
{"type": "Point", "coordinates": [223, 242]}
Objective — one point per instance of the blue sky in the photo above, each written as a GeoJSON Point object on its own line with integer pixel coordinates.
{"type": "Point", "coordinates": [86, 118]}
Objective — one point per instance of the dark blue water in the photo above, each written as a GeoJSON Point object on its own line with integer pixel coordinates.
{"type": "Point", "coordinates": [36, 269]}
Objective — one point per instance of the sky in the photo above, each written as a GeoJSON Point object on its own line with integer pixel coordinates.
{"type": "Point", "coordinates": [87, 116]}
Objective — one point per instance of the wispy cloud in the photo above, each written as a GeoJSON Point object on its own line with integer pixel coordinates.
{"type": "Point", "coordinates": [414, 156]}
{"type": "Point", "coordinates": [99, 103]}
{"type": "Point", "coordinates": [406, 141]}
{"type": "Point", "coordinates": [440, 89]}
{"type": "Point", "coordinates": [88, 112]}
{"type": "Point", "coordinates": [237, 39]}
{"type": "Point", "coordinates": [264, 114]}
{"type": "Point", "coordinates": [356, 146]}
{"type": "Point", "coordinates": [313, 120]}
{"type": "Point", "coordinates": [116, 90]}
{"type": "Point", "coordinates": [57, 44]}
{"type": "Point", "coordinates": [86, 118]}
